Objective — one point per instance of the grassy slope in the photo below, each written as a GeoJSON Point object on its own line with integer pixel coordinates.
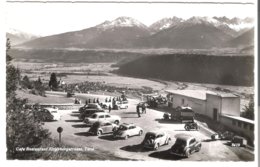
{"type": "Point", "coordinates": [39, 99]}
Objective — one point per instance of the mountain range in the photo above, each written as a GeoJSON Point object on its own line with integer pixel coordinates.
{"type": "Point", "coordinates": [18, 37]}
{"type": "Point", "coordinates": [126, 32]}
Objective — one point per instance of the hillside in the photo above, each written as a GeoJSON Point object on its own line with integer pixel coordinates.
{"type": "Point", "coordinates": [226, 70]}
{"type": "Point", "coordinates": [187, 36]}
{"type": "Point", "coordinates": [245, 39]}
{"type": "Point", "coordinates": [129, 33]}
{"type": "Point", "coordinates": [72, 56]}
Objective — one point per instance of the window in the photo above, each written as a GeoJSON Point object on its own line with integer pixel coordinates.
{"type": "Point", "coordinates": [239, 124]}
{"type": "Point", "coordinates": [101, 116]}
{"type": "Point", "coordinates": [182, 101]}
{"type": "Point", "coordinates": [192, 141]}
{"type": "Point", "coordinates": [107, 116]}
{"type": "Point", "coordinates": [233, 122]}
{"type": "Point", "coordinates": [245, 125]}
{"type": "Point", "coordinates": [252, 127]}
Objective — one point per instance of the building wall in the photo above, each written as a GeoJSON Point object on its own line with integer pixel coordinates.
{"type": "Point", "coordinates": [231, 106]}
{"type": "Point", "coordinates": [213, 102]}
{"type": "Point", "coordinates": [197, 105]}
{"type": "Point", "coordinates": [240, 127]}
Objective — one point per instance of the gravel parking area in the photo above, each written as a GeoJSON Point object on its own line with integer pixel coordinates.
{"type": "Point", "coordinates": [75, 134]}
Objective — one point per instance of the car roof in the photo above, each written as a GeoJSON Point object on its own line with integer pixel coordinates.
{"type": "Point", "coordinates": [184, 137]}
{"type": "Point", "coordinates": [156, 132]}
{"type": "Point", "coordinates": [101, 113]}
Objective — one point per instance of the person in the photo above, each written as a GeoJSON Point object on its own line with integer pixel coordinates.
{"type": "Point", "coordinates": [109, 108]}
{"type": "Point", "coordinates": [98, 100]}
{"type": "Point", "coordinates": [106, 99]}
{"type": "Point", "coordinates": [86, 102]}
{"type": "Point", "coordinates": [89, 100]}
{"type": "Point", "coordinates": [94, 100]}
{"type": "Point", "coordinates": [143, 109]}
{"type": "Point", "coordinates": [138, 111]}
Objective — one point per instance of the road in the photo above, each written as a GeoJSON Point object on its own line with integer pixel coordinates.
{"type": "Point", "coordinates": [75, 134]}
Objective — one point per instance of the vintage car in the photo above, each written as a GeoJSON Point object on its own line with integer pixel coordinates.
{"type": "Point", "coordinates": [127, 130]}
{"type": "Point", "coordinates": [155, 139]}
{"type": "Point", "coordinates": [122, 104]}
{"type": "Point", "coordinates": [102, 127]}
{"type": "Point", "coordinates": [238, 141]}
{"type": "Point", "coordinates": [48, 114]}
{"type": "Point", "coordinates": [89, 106]}
{"type": "Point", "coordinates": [102, 116]}
{"type": "Point", "coordinates": [185, 145]}
{"type": "Point", "coordinates": [88, 110]}
{"type": "Point", "coordinates": [223, 136]}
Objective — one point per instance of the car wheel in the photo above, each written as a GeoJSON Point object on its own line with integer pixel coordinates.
{"type": "Point", "coordinates": [126, 137]}
{"type": "Point", "coordinates": [140, 133]}
{"type": "Point", "coordinates": [116, 122]}
{"type": "Point", "coordinates": [156, 146]}
{"type": "Point", "coordinates": [187, 153]}
{"type": "Point", "coordinates": [99, 133]}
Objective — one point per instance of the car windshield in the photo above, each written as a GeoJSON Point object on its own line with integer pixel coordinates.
{"type": "Point", "coordinates": [121, 127]}
{"type": "Point", "coordinates": [150, 136]}
{"type": "Point", "coordinates": [181, 142]}
{"type": "Point", "coordinates": [94, 116]}
{"type": "Point", "coordinates": [53, 111]}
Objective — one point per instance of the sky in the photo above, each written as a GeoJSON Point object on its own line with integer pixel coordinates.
{"type": "Point", "coordinates": [53, 18]}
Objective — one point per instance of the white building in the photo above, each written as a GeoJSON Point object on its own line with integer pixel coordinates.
{"type": "Point", "coordinates": [220, 107]}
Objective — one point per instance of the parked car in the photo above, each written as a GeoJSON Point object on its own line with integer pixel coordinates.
{"type": "Point", "coordinates": [127, 130]}
{"type": "Point", "coordinates": [184, 146]}
{"type": "Point", "coordinates": [102, 116]}
{"type": "Point", "coordinates": [102, 127]}
{"type": "Point", "coordinates": [180, 114]}
{"type": "Point", "coordinates": [122, 104]}
{"type": "Point", "coordinates": [90, 106]}
{"type": "Point", "coordinates": [223, 136]}
{"type": "Point", "coordinates": [238, 141]}
{"type": "Point", "coordinates": [88, 110]}
{"type": "Point", "coordinates": [155, 139]}
{"type": "Point", "coordinates": [48, 114]}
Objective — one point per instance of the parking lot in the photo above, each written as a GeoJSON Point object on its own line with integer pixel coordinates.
{"type": "Point", "coordinates": [75, 134]}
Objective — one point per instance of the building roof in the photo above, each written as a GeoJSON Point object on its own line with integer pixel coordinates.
{"type": "Point", "coordinates": [200, 94]}
{"type": "Point", "coordinates": [239, 118]}
{"type": "Point", "coordinates": [197, 94]}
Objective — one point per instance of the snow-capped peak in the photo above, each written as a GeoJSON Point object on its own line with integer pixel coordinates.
{"type": "Point", "coordinates": [121, 22]}
{"type": "Point", "coordinates": [21, 33]}
{"type": "Point", "coordinates": [165, 23]}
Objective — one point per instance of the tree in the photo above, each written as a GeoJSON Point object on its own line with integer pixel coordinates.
{"type": "Point", "coordinates": [248, 111]}
{"type": "Point", "coordinates": [26, 82]}
{"type": "Point", "coordinates": [53, 84]}
{"type": "Point", "coordinates": [22, 129]}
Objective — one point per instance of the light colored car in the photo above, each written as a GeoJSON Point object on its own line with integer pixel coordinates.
{"type": "Point", "coordinates": [103, 127]}
{"type": "Point", "coordinates": [155, 139]}
{"type": "Point", "coordinates": [127, 130]}
{"type": "Point", "coordinates": [101, 116]}
{"type": "Point", "coordinates": [54, 112]}
{"type": "Point", "coordinates": [122, 104]}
